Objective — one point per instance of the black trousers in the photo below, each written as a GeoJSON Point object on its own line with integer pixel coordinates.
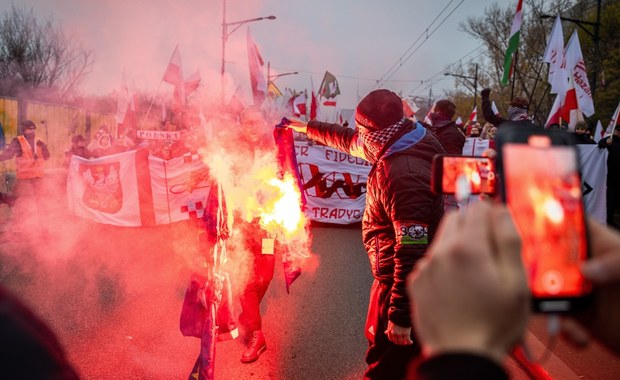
{"type": "Point", "coordinates": [386, 360]}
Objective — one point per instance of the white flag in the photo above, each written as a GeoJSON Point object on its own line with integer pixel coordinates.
{"type": "Point", "coordinates": [554, 56]}
{"type": "Point", "coordinates": [576, 68]}
{"type": "Point", "coordinates": [494, 108]}
{"type": "Point", "coordinates": [105, 189]}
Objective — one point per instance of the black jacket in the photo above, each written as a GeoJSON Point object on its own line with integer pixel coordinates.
{"type": "Point", "coordinates": [491, 117]}
{"type": "Point", "coordinates": [401, 214]}
{"type": "Point", "coordinates": [450, 137]}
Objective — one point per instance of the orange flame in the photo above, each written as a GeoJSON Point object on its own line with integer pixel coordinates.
{"type": "Point", "coordinates": [283, 213]}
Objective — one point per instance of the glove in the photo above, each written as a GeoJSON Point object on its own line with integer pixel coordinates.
{"type": "Point", "coordinates": [485, 93]}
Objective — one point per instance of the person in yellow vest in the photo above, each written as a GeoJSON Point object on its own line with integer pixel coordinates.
{"type": "Point", "coordinates": [30, 152]}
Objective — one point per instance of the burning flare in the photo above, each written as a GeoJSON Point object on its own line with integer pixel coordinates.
{"type": "Point", "coordinates": [283, 212]}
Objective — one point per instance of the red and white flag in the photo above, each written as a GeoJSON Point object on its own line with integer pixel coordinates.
{"type": "Point", "coordinates": [554, 56]}
{"type": "Point", "coordinates": [105, 189]}
{"type": "Point", "coordinates": [427, 118]}
{"type": "Point", "coordinates": [474, 114]}
{"type": "Point", "coordinates": [257, 75]}
{"type": "Point", "coordinates": [494, 108]}
{"type": "Point", "coordinates": [570, 106]}
{"type": "Point", "coordinates": [576, 68]}
{"type": "Point", "coordinates": [192, 83]}
{"type": "Point", "coordinates": [123, 101]}
{"type": "Point", "coordinates": [299, 104]}
{"type": "Point", "coordinates": [314, 107]}
{"type": "Point", "coordinates": [174, 73]}
{"type": "Point", "coordinates": [614, 122]}
{"type": "Point", "coordinates": [458, 121]}
{"type": "Point", "coordinates": [556, 112]}
{"type": "Point", "coordinates": [598, 131]}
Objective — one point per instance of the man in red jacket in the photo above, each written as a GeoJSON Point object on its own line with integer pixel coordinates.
{"type": "Point", "coordinates": [400, 217]}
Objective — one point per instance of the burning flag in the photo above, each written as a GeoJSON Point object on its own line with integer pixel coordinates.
{"type": "Point", "coordinates": [287, 211]}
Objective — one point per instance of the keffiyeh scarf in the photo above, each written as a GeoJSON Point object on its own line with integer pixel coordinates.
{"type": "Point", "coordinates": [374, 141]}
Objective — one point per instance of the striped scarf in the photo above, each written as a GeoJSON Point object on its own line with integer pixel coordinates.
{"type": "Point", "coordinates": [374, 141]}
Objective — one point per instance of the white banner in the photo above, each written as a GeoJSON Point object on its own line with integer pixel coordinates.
{"type": "Point", "coordinates": [180, 187]}
{"type": "Point", "coordinates": [159, 135]}
{"type": "Point", "coordinates": [475, 146]}
{"type": "Point", "coordinates": [593, 180]}
{"type": "Point", "coordinates": [334, 183]}
{"type": "Point", "coordinates": [105, 189]}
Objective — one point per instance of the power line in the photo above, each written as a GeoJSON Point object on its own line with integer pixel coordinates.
{"type": "Point", "coordinates": [447, 67]}
{"type": "Point", "coordinates": [409, 52]}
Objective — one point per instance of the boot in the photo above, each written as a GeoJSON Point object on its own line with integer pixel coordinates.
{"type": "Point", "coordinates": [256, 346]}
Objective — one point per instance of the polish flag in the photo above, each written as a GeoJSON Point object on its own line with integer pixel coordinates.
{"type": "Point", "coordinates": [576, 68]}
{"type": "Point", "coordinates": [174, 72]}
{"type": "Point", "coordinates": [556, 112]}
{"type": "Point", "coordinates": [598, 131]}
{"type": "Point", "coordinates": [570, 107]}
{"type": "Point", "coordinates": [494, 108]}
{"type": "Point", "coordinates": [299, 104]}
{"type": "Point", "coordinates": [613, 123]}
{"type": "Point", "coordinates": [427, 118]}
{"type": "Point", "coordinates": [474, 114]}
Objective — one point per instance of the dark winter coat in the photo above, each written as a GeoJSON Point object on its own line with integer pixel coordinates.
{"type": "Point", "coordinates": [401, 214]}
{"type": "Point", "coordinates": [450, 137]}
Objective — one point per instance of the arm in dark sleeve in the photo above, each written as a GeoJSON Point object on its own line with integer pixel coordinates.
{"type": "Point", "coordinates": [454, 366]}
{"type": "Point", "coordinates": [13, 149]}
{"type": "Point", "coordinates": [332, 135]}
{"type": "Point", "coordinates": [489, 115]}
{"type": "Point", "coordinates": [415, 211]}
{"type": "Point", "coordinates": [602, 143]}
{"type": "Point", "coordinates": [45, 150]}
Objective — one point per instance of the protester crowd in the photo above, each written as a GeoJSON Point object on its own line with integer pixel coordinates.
{"type": "Point", "coordinates": [426, 316]}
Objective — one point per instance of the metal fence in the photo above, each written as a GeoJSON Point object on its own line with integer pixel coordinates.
{"type": "Point", "coordinates": [56, 124]}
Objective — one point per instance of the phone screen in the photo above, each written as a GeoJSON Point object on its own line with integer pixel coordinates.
{"type": "Point", "coordinates": [479, 172]}
{"type": "Point", "coordinates": [543, 192]}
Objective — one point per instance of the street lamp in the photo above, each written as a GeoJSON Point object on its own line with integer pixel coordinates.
{"type": "Point", "coordinates": [475, 79]}
{"type": "Point", "coordinates": [594, 35]}
{"type": "Point", "coordinates": [276, 76]}
{"type": "Point", "coordinates": [226, 33]}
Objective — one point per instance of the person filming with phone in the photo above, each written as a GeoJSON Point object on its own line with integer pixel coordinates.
{"type": "Point", "coordinates": [472, 301]}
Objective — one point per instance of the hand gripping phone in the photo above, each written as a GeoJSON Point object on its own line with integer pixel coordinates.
{"type": "Point", "coordinates": [448, 170]}
{"type": "Point", "coordinates": [539, 180]}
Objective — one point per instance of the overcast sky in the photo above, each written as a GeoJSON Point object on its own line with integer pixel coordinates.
{"type": "Point", "coordinates": [359, 41]}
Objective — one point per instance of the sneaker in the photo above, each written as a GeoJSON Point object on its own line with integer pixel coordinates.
{"type": "Point", "coordinates": [256, 346]}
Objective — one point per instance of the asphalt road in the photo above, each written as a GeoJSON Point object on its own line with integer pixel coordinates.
{"type": "Point", "coordinates": [114, 296]}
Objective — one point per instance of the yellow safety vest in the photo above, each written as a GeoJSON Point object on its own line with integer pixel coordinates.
{"type": "Point", "coordinates": [27, 165]}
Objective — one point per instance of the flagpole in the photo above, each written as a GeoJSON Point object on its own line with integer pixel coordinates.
{"type": "Point", "coordinates": [541, 100]}
{"type": "Point", "coordinates": [150, 105]}
{"type": "Point", "coordinates": [514, 74]}
{"type": "Point", "coordinates": [535, 84]}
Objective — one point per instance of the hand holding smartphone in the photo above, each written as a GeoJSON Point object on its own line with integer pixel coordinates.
{"type": "Point", "coordinates": [448, 172]}
{"type": "Point", "coordinates": [540, 183]}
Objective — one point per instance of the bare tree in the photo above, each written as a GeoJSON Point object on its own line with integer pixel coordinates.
{"type": "Point", "coordinates": [37, 54]}
{"type": "Point", "coordinates": [493, 29]}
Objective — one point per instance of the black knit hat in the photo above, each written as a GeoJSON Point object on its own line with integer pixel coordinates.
{"type": "Point", "coordinates": [28, 124]}
{"type": "Point", "coordinates": [379, 109]}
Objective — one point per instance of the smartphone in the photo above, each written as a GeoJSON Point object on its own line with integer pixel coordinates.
{"type": "Point", "coordinates": [539, 180]}
{"type": "Point", "coordinates": [448, 169]}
